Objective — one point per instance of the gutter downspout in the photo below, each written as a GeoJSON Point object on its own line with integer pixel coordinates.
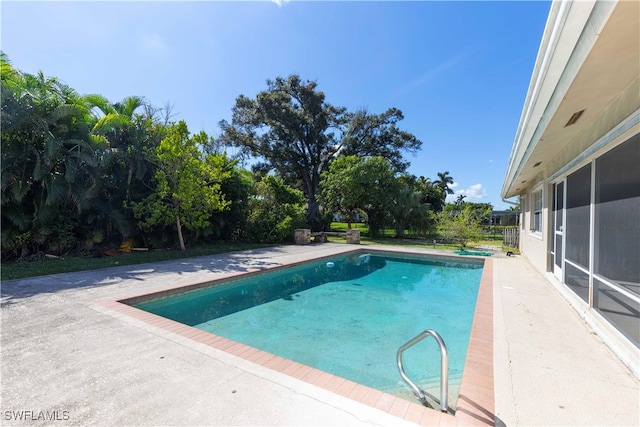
{"type": "Point", "coordinates": [509, 202]}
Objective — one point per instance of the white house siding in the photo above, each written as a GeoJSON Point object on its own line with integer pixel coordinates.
{"type": "Point", "coordinates": [589, 248]}
{"type": "Point", "coordinates": [535, 245]}
{"type": "Point", "coordinates": [616, 320]}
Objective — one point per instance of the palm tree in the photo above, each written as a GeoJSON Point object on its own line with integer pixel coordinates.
{"type": "Point", "coordinates": [431, 193]}
{"type": "Point", "coordinates": [408, 210]}
{"type": "Point", "coordinates": [443, 181]}
{"type": "Point", "coordinates": [124, 130]}
{"type": "Point", "coordinates": [47, 160]}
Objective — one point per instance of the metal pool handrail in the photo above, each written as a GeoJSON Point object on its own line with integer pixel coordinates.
{"type": "Point", "coordinates": [444, 367]}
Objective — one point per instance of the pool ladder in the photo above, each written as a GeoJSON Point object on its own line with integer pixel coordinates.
{"type": "Point", "coordinates": [444, 367]}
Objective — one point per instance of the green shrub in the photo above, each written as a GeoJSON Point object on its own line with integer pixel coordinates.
{"type": "Point", "coordinates": [275, 212]}
{"type": "Point", "coordinates": [461, 226]}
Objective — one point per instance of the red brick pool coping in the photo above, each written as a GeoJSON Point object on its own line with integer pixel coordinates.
{"type": "Point", "coordinates": [476, 399]}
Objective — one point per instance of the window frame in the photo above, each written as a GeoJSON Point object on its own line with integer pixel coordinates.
{"type": "Point", "coordinates": [523, 210]}
{"type": "Point", "coordinates": [535, 223]}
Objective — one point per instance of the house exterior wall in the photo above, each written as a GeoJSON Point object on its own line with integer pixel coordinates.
{"type": "Point", "coordinates": [583, 232]}
{"type": "Point", "coordinates": [535, 244]}
{"type": "Point", "coordinates": [584, 284]}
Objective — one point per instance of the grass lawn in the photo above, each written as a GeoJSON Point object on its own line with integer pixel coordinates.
{"type": "Point", "coordinates": [387, 238]}
{"type": "Point", "coordinates": [65, 264]}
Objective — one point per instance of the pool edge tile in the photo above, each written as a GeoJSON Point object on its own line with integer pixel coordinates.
{"type": "Point", "coordinates": [346, 388]}
{"type": "Point", "coordinates": [414, 413]}
{"type": "Point", "coordinates": [476, 402]}
{"type": "Point", "coordinates": [399, 407]}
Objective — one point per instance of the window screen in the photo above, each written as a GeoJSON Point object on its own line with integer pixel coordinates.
{"type": "Point", "coordinates": [578, 216]}
{"type": "Point", "coordinates": [537, 211]}
{"type": "Point", "coordinates": [577, 280]}
{"type": "Point", "coordinates": [523, 209]}
{"type": "Point", "coordinates": [617, 215]}
{"type": "Point", "coordinates": [619, 309]}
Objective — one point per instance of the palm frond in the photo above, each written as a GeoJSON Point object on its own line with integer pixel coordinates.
{"type": "Point", "coordinates": [17, 217]}
{"type": "Point", "coordinates": [56, 190]}
{"type": "Point", "coordinates": [19, 189]}
{"type": "Point", "coordinates": [129, 105]}
{"type": "Point", "coordinates": [62, 112]}
{"type": "Point", "coordinates": [98, 141]}
{"type": "Point", "coordinates": [109, 122]}
{"type": "Point", "coordinates": [100, 102]}
{"type": "Point", "coordinates": [7, 72]}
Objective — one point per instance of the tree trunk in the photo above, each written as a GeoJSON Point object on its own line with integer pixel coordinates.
{"type": "Point", "coordinates": [129, 176]}
{"type": "Point", "coordinates": [24, 250]}
{"type": "Point", "coordinates": [313, 207]}
{"type": "Point", "coordinates": [313, 211]}
{"type": "Point", "coordinates": [179, 226]}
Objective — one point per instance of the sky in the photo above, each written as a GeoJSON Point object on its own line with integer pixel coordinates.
{"type": "Point", "coordinates": [459, 71]}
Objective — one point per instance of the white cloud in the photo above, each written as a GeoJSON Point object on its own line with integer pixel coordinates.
{"type": "Point", "coordinates": [473, 193]}
{"type": "Point", "coordinates": [279, 2]}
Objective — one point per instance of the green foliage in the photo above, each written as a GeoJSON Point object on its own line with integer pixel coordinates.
{"type": "Point", "coordinates": [276, 211]}
{"type": "Point", "coordinates": [82, 173]}
{"type": "Point", "coordinates": [482, 211]}
{"type": "Point", "coordinates": [188, 187]}
{"type": "Point", "coordinates": [61, 236]}
{"type": "Point", "coordinates": [443, 181]}
{"type": "Point", "coordinates": [378, 135]}
{"type": "Point", "coordinates": [237, 187]}
{"type": "Point", "coordinates": [48, 161]}
{"type": "Point", "coordinates": [355, 183]}
{"type": "Point", "coordinates": [461, 226]}
{"type": "Point", "coordinates": [408, 209]}
{"type": "Point", "coordinates": [298, 134]}
{"type": "Point", "coordinates": [332, 195]}
{"type": "Point", "coordinates": [343, 187]}
{"type": "Point", "coordinates": [289, 126]}
{"type": "Point", "coordinates": [381, 189]}
{"type": "Point", "coordinates": [430, 193]}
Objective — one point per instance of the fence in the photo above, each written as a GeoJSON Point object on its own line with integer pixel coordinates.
{"type": "Point", "coordinates": [510, 237]}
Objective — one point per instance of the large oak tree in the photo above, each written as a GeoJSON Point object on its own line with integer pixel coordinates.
{"type": "Point", "coordinates": [295, 132]}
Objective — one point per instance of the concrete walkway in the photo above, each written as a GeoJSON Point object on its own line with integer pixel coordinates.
{"type": "Point", "coordinates": [549, 367]}
{"type": "Point", "coordinates": [64, 356]}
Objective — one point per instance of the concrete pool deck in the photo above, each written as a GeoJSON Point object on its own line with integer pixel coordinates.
{"type": "Point", "coordinates": [67, 356]}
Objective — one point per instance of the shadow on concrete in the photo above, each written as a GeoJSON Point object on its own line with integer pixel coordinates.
{"type": "Point", "coordinates": [478, 413]}
{"type": "Point", "coordinates": [232, 262]}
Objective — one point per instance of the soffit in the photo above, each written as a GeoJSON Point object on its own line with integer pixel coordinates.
{"type": "Point", "coordinates": [606, 87]}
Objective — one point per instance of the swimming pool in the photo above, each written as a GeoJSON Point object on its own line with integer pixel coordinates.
{"type": "Point", "coordinates": [346, 315]}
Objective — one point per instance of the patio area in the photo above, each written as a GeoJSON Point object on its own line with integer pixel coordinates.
{"type": "Point", "coordinates": [66, 354]}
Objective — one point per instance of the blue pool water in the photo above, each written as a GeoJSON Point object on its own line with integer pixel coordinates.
{"type": "Point", "coordinates": [346, 316]}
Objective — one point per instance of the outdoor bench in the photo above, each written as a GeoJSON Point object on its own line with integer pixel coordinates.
{"type": "Point", "coordinates": [303, 236]}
